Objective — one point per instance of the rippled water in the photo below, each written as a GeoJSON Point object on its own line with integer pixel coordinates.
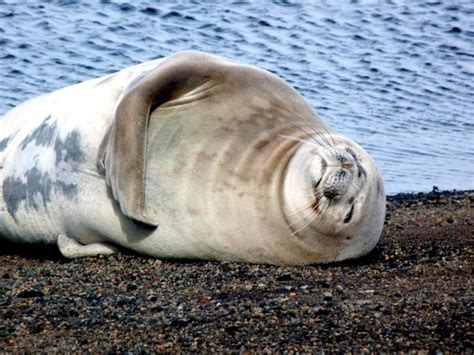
{"type": "Point", "coordinates": [396, 76]}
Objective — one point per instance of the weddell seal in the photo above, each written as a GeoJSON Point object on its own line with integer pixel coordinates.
{"type": "Point", "coordinates": [191, 156]}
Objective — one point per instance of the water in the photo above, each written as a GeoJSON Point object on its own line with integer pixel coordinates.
{"type": "Point", "coordinates": [396, 76]}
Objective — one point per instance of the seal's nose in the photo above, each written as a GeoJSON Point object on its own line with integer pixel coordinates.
{"type": "Point", "coordinates": [331, 193]}
{"type": "Point", "coordinates": [336, 184]}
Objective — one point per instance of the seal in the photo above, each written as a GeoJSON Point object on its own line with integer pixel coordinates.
{"type": "Point", "coordinates": [192, 156]}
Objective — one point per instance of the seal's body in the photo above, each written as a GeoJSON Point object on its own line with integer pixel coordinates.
{"type": "Point", "coordinates": [192, 156]}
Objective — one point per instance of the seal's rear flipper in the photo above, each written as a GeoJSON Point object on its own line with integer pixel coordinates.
{"type": "Point", "coordinates": [71, 248]}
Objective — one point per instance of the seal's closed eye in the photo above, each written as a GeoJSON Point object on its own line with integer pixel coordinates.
{"type": "Point", "coordinates": [349, 215]}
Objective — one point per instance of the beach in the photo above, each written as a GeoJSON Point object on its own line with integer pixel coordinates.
{"type": "Point", "coordinates": [412, 292]}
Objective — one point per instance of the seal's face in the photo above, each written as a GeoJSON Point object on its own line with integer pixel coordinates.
{"type": "Point", "coordinates": [337, 204]}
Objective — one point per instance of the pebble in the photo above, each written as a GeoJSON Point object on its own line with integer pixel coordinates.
{"type": "Point", "coordinates": [411, 294]}
{"type": "Point", "coordinates": [327, 296]}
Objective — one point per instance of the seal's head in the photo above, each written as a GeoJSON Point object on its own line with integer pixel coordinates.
{"type": "Point", "coordinates": [334, 197]}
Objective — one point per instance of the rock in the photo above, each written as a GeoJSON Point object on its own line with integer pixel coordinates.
{"type": "Point", "coordinates": [31, 293]}
{"type": "Point", "coordinates": [327, 296]}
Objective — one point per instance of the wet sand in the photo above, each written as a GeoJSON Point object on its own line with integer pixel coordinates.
{"type": "Point", "coordinates": [413, 292]}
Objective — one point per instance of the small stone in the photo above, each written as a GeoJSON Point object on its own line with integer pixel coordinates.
{"type": "Point", "coordinates": [131, 287]}
{"type": "Point", "coordinates": [152, 298]}
{"type": "Point", "coordinates": [232, 329]}
{"type": "Point", "coordinates": [325, 284]}
{"type": "Point", "coordinates": [30, 293]}
{"type": "Point", "coordinates": [284, 277]}
{"type": "Point", "coordinates": [202, 301]}
{"type": "Point", "coordinates": [327, 296]}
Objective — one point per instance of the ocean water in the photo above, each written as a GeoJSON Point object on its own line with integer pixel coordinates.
{"type": "Point", "coordinates": [395, 76]}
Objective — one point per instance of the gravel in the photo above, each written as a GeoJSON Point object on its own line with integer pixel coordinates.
{"type": "Point", "coordinates": [413, 292]}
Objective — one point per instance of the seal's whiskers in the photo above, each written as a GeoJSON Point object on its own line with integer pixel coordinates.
{"type": "Point", "coordinates": [303, 227]}
{"type": "Point", "coordinates": [314, 206]}
{"type": "Point", "coordinates": [307, 215]}
{"type": "Point", "coordinates": [323, 133]}
{"type": "Point", "coordinates": [326, 131]}
{"type": "Point", "coordinates": [301, 210]}
{"type": "Point", "coordinates": [314, 210]}
{"type": "Point", "coordinates": [310, 133]}
{"type": "Point", "coordinates": [325, 211]}
{"type": "Point", "coordinates": [304, 141]}
{"type": "Point", "coordinates": [319, 201]}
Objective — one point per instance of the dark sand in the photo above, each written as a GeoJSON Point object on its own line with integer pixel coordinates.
{"type": "Point", "coordinates": [413, 292]}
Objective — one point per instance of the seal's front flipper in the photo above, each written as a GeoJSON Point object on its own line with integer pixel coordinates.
{"type": "Point", "coordinates": [71, 248]}
{"type": "Point", "coordinates": [122, 155]}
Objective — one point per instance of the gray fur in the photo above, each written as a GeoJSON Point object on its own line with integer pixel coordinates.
{"type": "Point", "coordinates": [43, 135]}
{"type": "Point", "coordinates": [13, 192]}
{"type": "Point", "coordinates": [69, 149]}
{"type": "Point", "coordinates": [36, 191]}
{"type": "Point", "coordinates": [4, 143]}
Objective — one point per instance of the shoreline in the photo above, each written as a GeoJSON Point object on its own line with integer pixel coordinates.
{"type": "Point", "coordinates": [413, 292]}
